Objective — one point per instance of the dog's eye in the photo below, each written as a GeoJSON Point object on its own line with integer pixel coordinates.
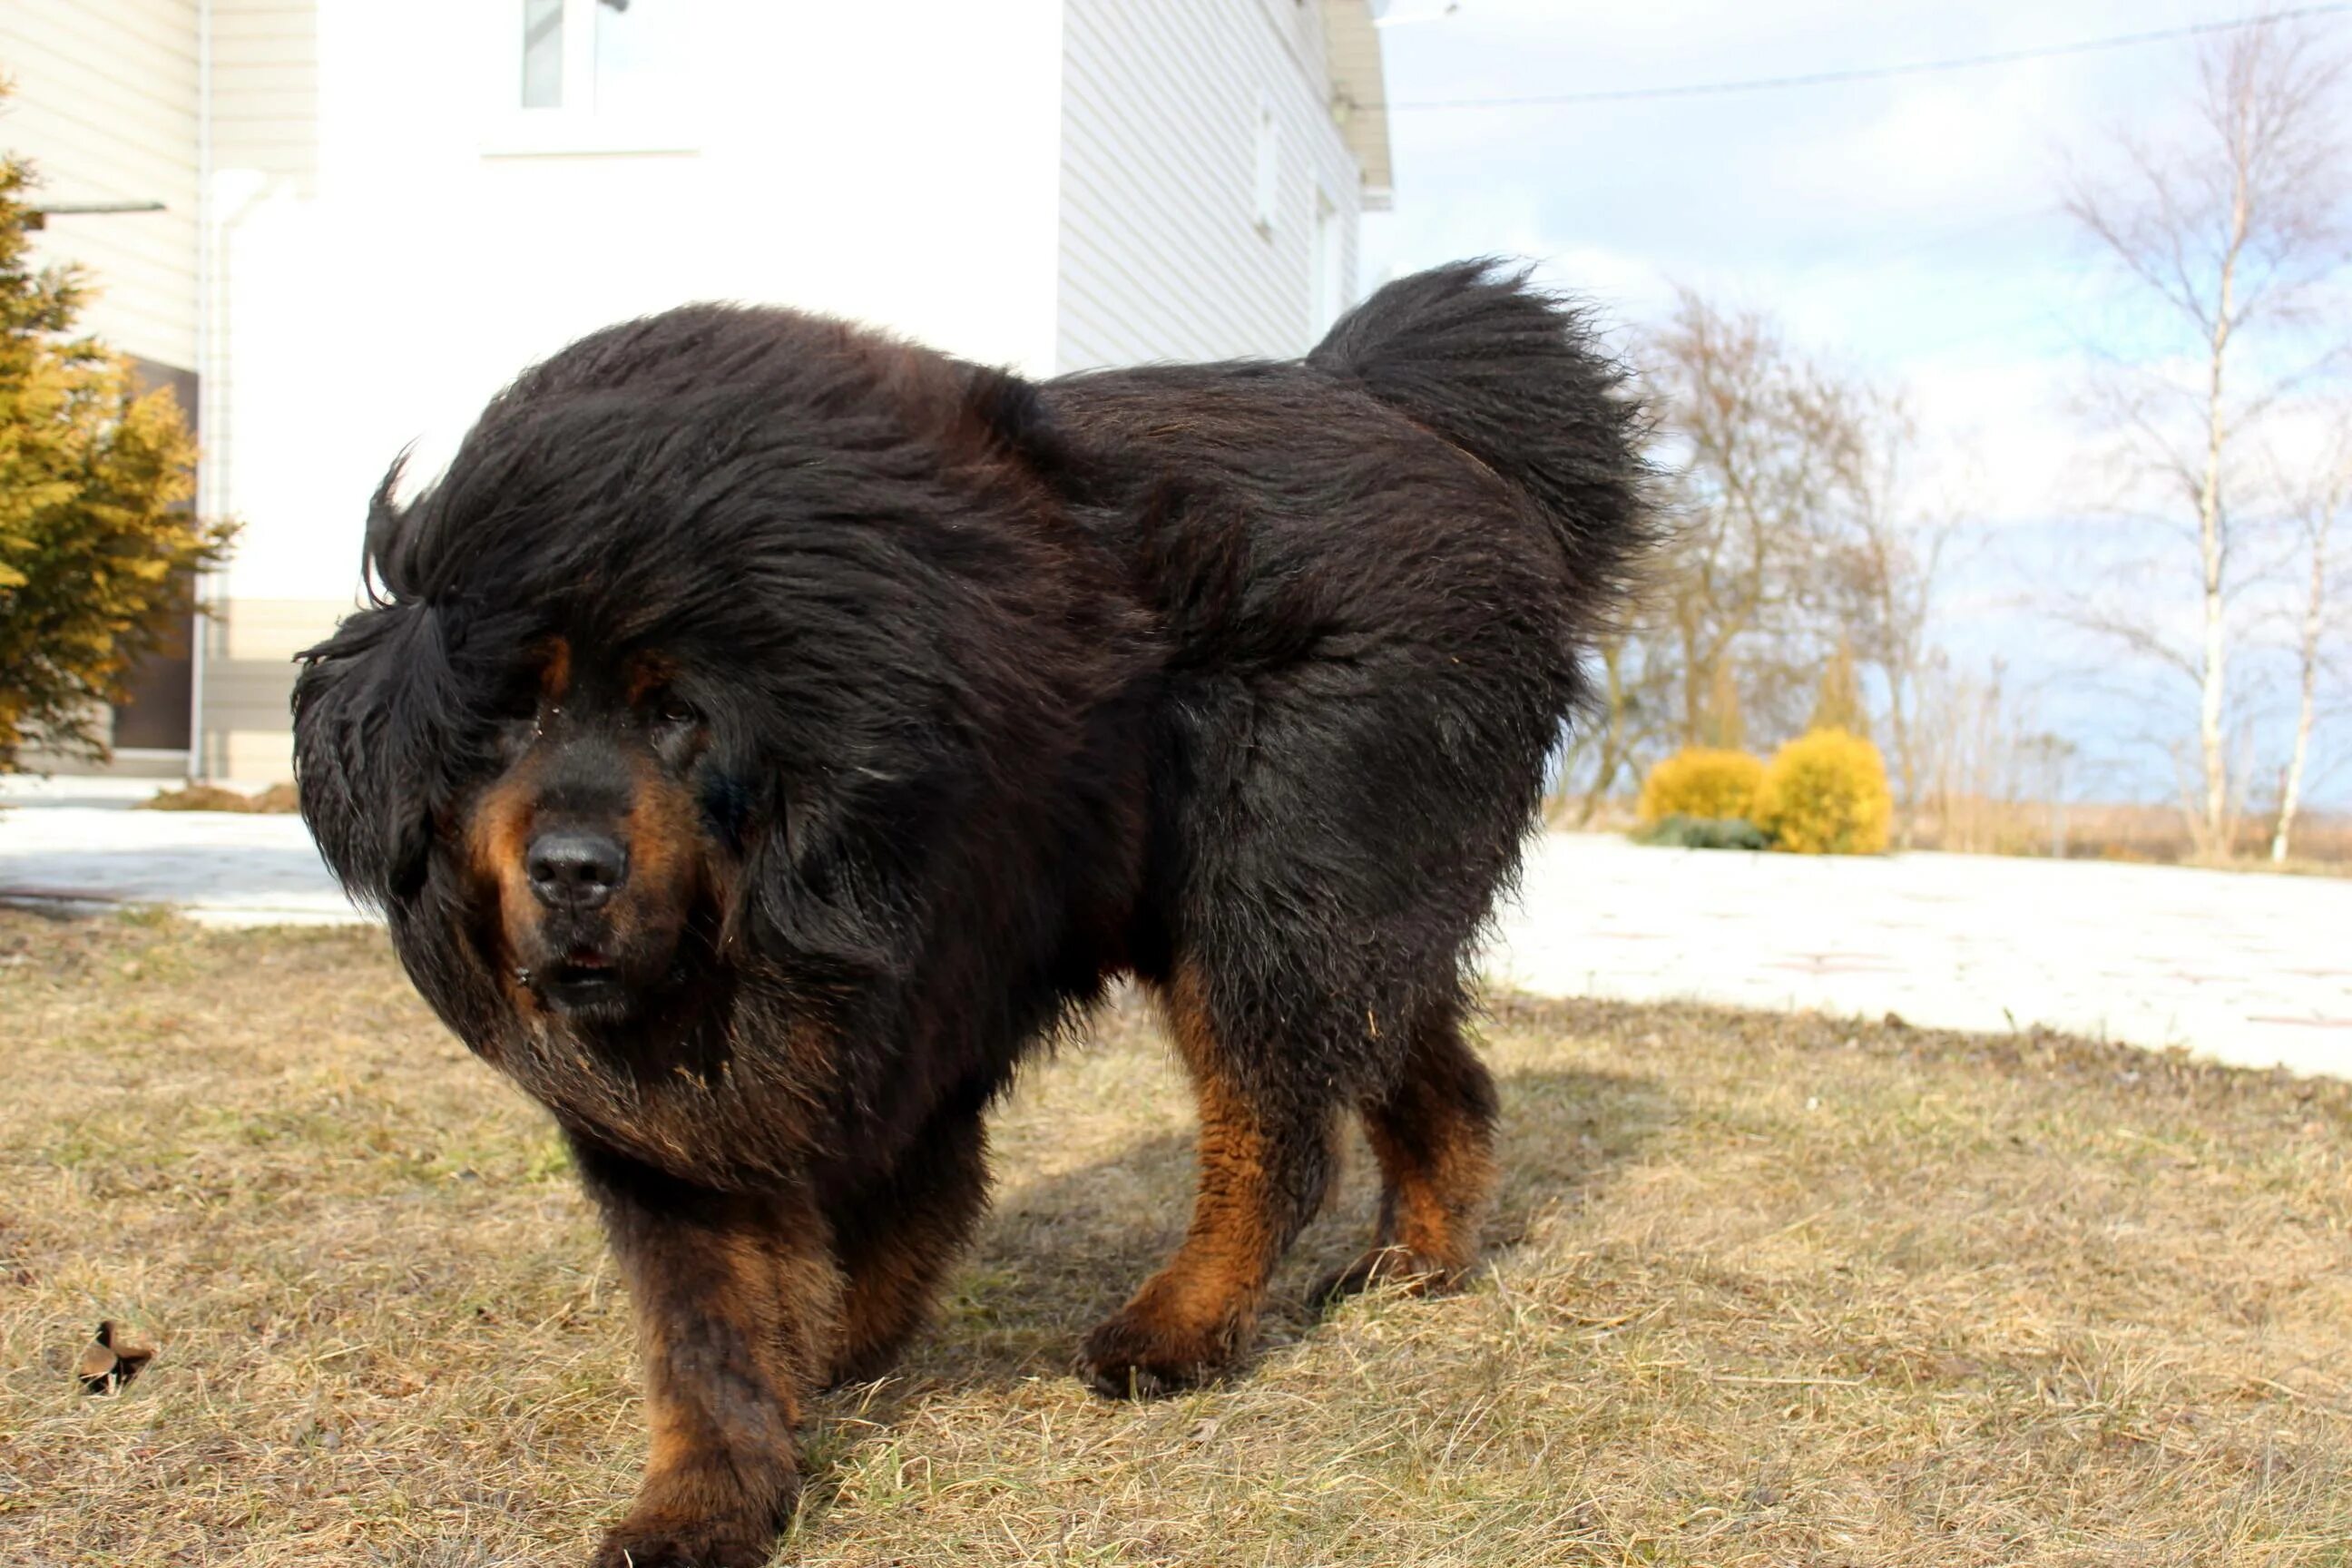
{"type": "Point", "coordinates": [675, 710]}
{"type": "Point", "coordinates": [517, 702]}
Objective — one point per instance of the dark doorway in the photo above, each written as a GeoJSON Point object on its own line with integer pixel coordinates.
{"type": "Point", "coordinates": [158, 714]}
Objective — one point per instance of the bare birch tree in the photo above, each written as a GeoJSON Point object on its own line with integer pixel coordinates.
{"type": "Point", "coordinates": [2232, 233]}
{"type": "Point", "coordinates": [2316, 525]}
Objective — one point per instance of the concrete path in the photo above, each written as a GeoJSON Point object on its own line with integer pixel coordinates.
{"type": "Point", "coordinates": [2242, 966]}
{"type": "Point", "coordinates": [74, 843]}
{"type": "Point", "coordinates": [2248, 968]}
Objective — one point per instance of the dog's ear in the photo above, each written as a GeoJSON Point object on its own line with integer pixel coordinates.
{"type": "Point", "coordinates": [365, 754]}
{"type": "Point", "coordinates": [1003, 404]}
{"type": "Point", "coordinates": [371, 718]}
{"type": "Point", "coordinates": [1007, 415]}
{"type": "Point", "coordinates": [816, 899]}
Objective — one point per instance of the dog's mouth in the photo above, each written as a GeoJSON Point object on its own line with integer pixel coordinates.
{"type": "Point", "coordinates": [585, 979]}
{"type": "Point", "coordinates": [598, 970]}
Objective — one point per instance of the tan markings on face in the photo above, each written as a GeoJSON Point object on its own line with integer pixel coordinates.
{"type": "Point", "coordinates": [555, 673]}
{"type": "Point", "coordinates": [498, 835]}
{"type": "Point", "coordinates": [648, 673]}
{"type": "Point", "coordinates": [664, 856]}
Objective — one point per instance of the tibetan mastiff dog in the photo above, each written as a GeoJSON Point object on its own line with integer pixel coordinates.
{"type": "Point", "coordinates": [766, 732]}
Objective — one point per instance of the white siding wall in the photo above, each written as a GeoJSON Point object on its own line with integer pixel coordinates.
{"type": "Point", "coordinates": [1161, 257]}
{"type": "Point", "coordinates": [264, 159]}
{"type": "Point", "coordinates": [263, 155]}
{"type": "Point", "coordinates": [265, 61]}
{"type": "Point", "coordinates": [106, 106]}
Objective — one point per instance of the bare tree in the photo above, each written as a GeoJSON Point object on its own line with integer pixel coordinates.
{"type": "Point", "coordinates": [1766, 440]}
{"type": "Point", "coordinates": [2315, 520]}
{"type": "Point", "coordinates": [1891, 555]}
{"type": "Point", "coordinates": [2234, 232]}
{"type": "Point", "coordinates": [1977, 745]}
{"type": "Point", "coordinates": [1634, 716]}
{"type": "Point", "coordinates": [1793, 544]}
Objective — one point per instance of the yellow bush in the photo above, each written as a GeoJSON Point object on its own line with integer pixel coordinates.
{"type": "Point", "coordinates": [1826, 794]}
{"type": "Point", "coordinates": [1701, 782]}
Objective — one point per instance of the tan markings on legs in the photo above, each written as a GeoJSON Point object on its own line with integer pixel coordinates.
{"type": "Point", "coordinates": [1215, 1282]}
{"type": "Point", "coordinates": [735, 1301]}
{"type": "Point", "coordinates": [886, 1297]}
{"type": "Point", "coordinates": [1433, 1136]}
{"type": "Point", "coordinates": [889, 1296]}
{"type": "Point", "coordinates": [906, 1236]}
{"type": "Point", "coordinates": [1199, 1311]}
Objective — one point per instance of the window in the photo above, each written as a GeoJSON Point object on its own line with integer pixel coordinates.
{"type": "Point", "coordinates": [641, 62]}
{"type": "Point", "coordinates": [1269, 167]}
{"type": "Point", "coordinates": [1330, 282]}
{"type": "Point", "coordinates": [595, 76]}
{"type": "Point", "coordinates": [542, 54]}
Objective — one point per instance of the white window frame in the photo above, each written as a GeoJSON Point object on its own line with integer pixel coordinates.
{"type": "Point", "coordinates": [1329, 287]}
{"type": "Point", "coordinates": [575, 126]}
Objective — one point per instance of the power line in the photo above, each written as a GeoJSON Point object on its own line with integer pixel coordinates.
{"type": "Point", "coordinates": [1874, 73]}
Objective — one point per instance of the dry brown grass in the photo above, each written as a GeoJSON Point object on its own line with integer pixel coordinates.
{"type": "Point", "coordinates": [2155, 834]}
{"type": "Point", "coordinates": [1765, 1291]}
{"type": "Point", "coordinates": [278, 799]}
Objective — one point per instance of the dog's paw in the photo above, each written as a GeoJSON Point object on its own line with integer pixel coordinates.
{"type": "Point", "coordinates": [864, 1364]}
{"type": "Point", "coordinates": [1132, 1355]}
{"type": "Point", "coordinates": [704, 1545]}
{"type": "Point", "coordinates": [1398, 1267]}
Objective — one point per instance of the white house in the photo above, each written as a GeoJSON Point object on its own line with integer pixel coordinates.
{"type": "Point", "coordinates": [340, 224]}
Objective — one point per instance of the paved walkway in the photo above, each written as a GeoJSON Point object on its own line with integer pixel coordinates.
{"type": "Point", "coordinates": [2248, 968]}
{"type": "Point", "coordinates": [73, 842]}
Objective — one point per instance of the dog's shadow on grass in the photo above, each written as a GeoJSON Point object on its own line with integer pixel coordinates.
{"type": "Point", "coordinates": [1059, 1252]}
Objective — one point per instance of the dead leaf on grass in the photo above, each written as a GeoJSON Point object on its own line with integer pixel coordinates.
{"type": "Point", "coordinates": [111, 1360]}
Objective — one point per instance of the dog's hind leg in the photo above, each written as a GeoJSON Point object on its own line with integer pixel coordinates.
{"type": "Point", "coordinates": [1264, 1164]}
{"type": "Point", "coordinates": [1433, 1135]}
{"type": "Point", "coordinates": [897, 1239]}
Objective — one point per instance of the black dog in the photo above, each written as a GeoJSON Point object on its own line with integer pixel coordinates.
{"type": "Point", "coordinates": [767, 730]}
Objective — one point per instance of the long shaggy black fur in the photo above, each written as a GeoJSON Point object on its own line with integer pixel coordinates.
{"type": "Point", "coordinates": [1238, 678]}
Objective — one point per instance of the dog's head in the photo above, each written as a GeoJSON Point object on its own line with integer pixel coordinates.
{"type": "Point", "coordinates": [701, 648]}
{"type": "Point", "coordinates": [588, 857]}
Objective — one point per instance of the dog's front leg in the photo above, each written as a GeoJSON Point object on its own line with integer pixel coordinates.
{"type": "Point", "coordinates": [736, 1298]}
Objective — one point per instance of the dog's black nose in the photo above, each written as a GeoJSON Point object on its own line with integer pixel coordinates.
{"type": "Point", "coordinates": [574, 869]}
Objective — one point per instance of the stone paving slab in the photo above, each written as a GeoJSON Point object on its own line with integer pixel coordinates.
{"type": "Point", "coordinates": [2247, 968]}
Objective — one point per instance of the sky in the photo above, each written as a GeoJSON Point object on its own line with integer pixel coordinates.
{"type": "Point", "coordinates": [1908, 229]}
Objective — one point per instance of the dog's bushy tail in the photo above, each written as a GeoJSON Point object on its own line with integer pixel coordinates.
{"type": "Point", "coordinates": [1514, 378]}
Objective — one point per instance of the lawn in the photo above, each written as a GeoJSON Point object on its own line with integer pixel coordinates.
{"type": "Point", "coordinates": [1764, 1290]}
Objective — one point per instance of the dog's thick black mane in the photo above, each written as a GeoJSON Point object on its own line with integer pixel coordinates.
{"type": "Point", "coordinates": [837, 542]}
